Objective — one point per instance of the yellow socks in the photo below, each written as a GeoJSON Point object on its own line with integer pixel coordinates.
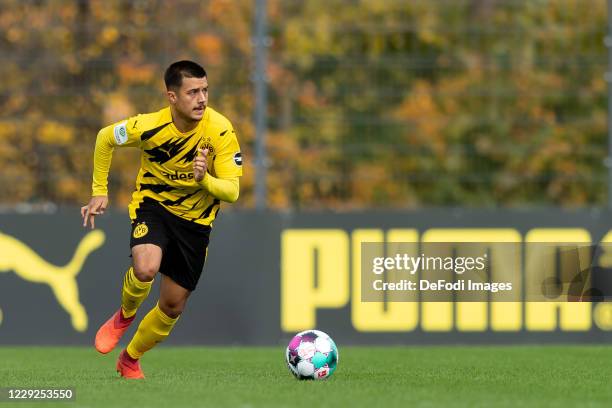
{"type": "Point", "coordinates": [153, 329]}
{"type": "Point", "coordinates": [155, 326]}
{"type": "Point", "coordinates": [133, 294]}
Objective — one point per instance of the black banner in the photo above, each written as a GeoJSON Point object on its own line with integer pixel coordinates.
{"type": "Point", "coordinates": [271, 274]}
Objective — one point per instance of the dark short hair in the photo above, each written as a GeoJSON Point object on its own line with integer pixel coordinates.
{"type": "Point", "coordinates": [182, 69]}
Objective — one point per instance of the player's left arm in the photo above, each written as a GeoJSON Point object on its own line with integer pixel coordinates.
{"type": "Point", "coordinates": [109, 137]}
{"type": "Point", "coordinates": [226, 166]}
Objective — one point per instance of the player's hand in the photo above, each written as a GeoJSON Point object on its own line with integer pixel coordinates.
{"type": "Point", "coordinates": [96, 206]}
{"type": "Point", "coordinates": [200, 164]}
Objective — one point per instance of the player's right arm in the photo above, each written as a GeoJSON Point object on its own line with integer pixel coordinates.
{"type": "Point", "coordinates": [121, 134]}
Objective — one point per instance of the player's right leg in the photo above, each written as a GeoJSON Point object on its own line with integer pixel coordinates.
{"type": "Point", "coordinates": [137, 284]}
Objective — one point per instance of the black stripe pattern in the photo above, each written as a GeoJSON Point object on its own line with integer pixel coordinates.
{"type": "Point", "coordinates": [209, 209]}
{"type": "Point", "coordinates": [150, 133]}
{"type": "Point", "coordinates": [179, 200]}
{"type": "Point", "coordinates": [156, 188]}
{"type": "Point", "coordinates": [190, 155]}
{"type": "Point", "coordinates": [166, 151]}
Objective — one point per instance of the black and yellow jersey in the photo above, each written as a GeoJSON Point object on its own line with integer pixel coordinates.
{"type": "Point", "coordinates": [166, 165]}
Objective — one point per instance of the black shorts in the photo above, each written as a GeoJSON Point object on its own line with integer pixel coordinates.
{"type": "Point", "coordinates": [183, 243]}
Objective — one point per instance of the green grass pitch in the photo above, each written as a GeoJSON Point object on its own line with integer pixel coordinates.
{"type": "Point", "coordinates": [508, 376]}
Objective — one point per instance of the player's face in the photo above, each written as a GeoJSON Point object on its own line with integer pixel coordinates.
{"type": "Point", "coordinates": [190, 100]}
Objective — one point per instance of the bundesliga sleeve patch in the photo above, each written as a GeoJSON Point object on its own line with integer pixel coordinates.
{"type": "Point", "coordinates": [120, 133]}
{"type": "Point", "coordinates": [238, 159]}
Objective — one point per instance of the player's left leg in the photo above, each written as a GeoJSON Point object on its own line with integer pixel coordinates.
{"type": "Point", "coordinates": [154, 328]}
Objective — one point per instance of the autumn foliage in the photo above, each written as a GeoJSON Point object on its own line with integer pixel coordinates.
{"type": "Point", "coordinates": [371, 103]}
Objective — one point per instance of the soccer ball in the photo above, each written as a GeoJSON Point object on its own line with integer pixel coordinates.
{"type": "Point", "coordinates": [312, 355]}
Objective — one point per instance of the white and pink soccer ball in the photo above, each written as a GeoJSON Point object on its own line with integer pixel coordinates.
{"type": "Point", "coordinates": [312, 355]}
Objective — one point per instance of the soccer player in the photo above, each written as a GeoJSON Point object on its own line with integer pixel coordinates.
{"type": "Point", "coordinates": [190, 162]}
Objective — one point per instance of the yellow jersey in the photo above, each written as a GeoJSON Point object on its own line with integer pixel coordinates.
{"type": "Point", "coordinates": [166, 165]}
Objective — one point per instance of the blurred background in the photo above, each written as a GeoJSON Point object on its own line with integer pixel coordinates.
{"type": "Point", "coordinates": [359, 121]}
{"type": "Point", "coordinates": [386, 104]}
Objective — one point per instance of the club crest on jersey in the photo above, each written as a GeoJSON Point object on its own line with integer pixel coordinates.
{"type": "Point", "coordinates": [238, 159]}
{"type": "Point", "coordinates": [120, 133]}
{"type": "Point", "coordinates": [141, 230]}
{"type": "Point", "coordinates": [207, 145]}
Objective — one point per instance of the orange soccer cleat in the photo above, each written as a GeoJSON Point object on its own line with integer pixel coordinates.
{"type": "Point", "coordinates": [129, 367]}
{"type": "Point", "coordinates": [110, 332]}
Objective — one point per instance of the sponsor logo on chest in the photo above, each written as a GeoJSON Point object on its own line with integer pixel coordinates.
{"type": "Point", "coordinates": [178, 175]}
